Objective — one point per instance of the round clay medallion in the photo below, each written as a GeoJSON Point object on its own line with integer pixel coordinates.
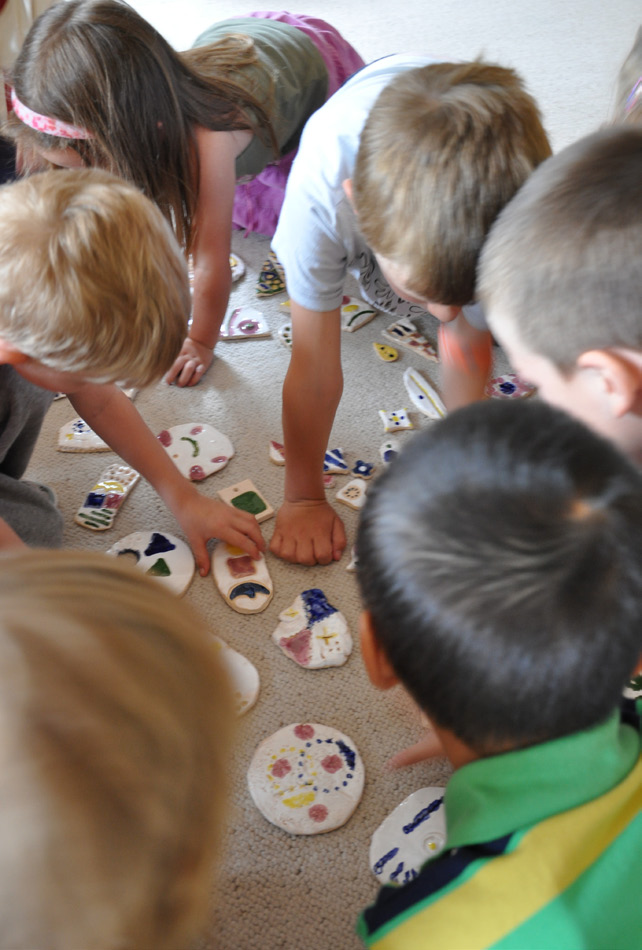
{"type": "Point", "coordinates": [162, 556]}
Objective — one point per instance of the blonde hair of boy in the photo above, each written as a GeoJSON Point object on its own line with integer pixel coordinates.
{"type": "Point", "coordinates": [92, 280]}
{"type": "Point", "coordinates": [563, 261]}
{"type": "Point", "coordinates": [628, 104]}
{"type": "Point", "coordinates": [115, 718]}
{"type": "Point", "coordinates": [444, 148]}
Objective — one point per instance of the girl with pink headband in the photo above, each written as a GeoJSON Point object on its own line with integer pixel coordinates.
{"type": "Point", "coordinates": [209, 134]}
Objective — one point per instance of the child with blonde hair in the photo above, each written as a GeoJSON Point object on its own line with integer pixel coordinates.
{"type": "Point", "coordinates": [116, 718]}
{"type": "Point", "coordinates": [95, 84]}
{"type": "Point", "coordinates": [93, 291]}
{"type": "Point", "coordinates": [397, 181]}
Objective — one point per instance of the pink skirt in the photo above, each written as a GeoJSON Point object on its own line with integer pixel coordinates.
{"type": "Point", "coordinates": [257, 203]}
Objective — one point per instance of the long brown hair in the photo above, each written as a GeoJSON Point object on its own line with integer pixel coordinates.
{"type": "Point", "coordinates": [99, 65]}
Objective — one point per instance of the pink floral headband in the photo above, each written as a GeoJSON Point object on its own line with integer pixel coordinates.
{"type": "Point", "coordinates": [42, 123]}
{"type": "Point", "coordinates": [634, 95]}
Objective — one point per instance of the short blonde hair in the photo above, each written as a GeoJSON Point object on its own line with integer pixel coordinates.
{"type": "Point", "coordinates": [563, 262]}
{"type": "Point", "coordinates": [115, 720]}
{"type": "Point", "coordinates": [628, 104]}
{"type": "Point", "coordinates": [444, 148]}
{"type": "Point", "coordinates": [91, 278]}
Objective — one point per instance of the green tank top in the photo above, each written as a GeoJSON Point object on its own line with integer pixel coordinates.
{"type": "Point", "coordinates": [299, 76]}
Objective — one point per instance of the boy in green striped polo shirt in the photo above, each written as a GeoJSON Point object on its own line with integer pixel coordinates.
{"type": "Point", "coordinates": [500, 563]}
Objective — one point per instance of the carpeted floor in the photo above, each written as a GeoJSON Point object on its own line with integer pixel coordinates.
{"type": "Point", "coordinates": [303, 893]}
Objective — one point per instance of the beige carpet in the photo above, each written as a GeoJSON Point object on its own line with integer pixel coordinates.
{"type": "Point", "coordinates": [275, 890]}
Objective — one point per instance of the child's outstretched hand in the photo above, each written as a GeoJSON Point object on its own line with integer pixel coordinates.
{"type": "Point", "coordinates": [308, 532]}
{"type": "Point", "coordinates": [427, 748]}
{"type": "Point", "coordinates": [190, 364]}
{"type": "Point", "coordinates": [202, 518]}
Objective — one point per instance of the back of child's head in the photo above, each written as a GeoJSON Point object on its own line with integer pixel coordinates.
{"type": "Point", "coordinates": [115, 717]}
{"type": "Point", "coordinates": [444, 148]}
{"type": "Point", "coordinates": [628, 102]}
{"type": "Point", "coordinates": [91, 278]}
{"type": "Point", "coordinates": [563, 261]}
{"type": "Point", "coordinates": [500, 557]}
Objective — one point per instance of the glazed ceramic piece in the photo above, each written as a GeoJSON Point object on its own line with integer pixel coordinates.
{"type": "Point", "coordinates": [412, 833]}
{"type": "Point", "coordinates": [355, 314]}
{"type": "Point", "coordinates": [334, 463]}
{"type": "Point", "coordinates": [271, 277]}
{"type": "Point", "coordinates": [363, 469]}
{"type": "Point", "coordinates": [246, 497]}
{"type": "Point", "coordinates": [165, 558]}
{"type": "Point", "coordinates": [306, 778]}
{"type": "Point", "coordinates": [386, 353]}
{"type": "Point", "coordinates": [354, 493]}
{"type": "Point", "coordinates": [423, 394]}
{"type": "Point", "coordinates": [395, 420]}
{"type": "Point", "coordinates": [329, 481]}
{"type": "Point", "coordinates": [508, 386]}
{"type": "Point", "coordinates": [312, 632]}
{"type": "Point", "coordinates": [104, 501]}
{"type": "Point", "coordinates": [405, 333]}
{"type": "Point", "coordinates": [77, 436]}
{"type": "Point", "coordinates": [354, 560]}
{"type": "Point", "coordinates": [237, 267]}
{"type": "Point", "coordinates": [388, 451]}
{"type": "Point", "coordinates": [276, 453]}
{"type": "Point", "coordinates": [244, 323]}
{"type": "Point", "coordinates": [244, 582]}
{"type": "Point", "coordinates": [197, 449]}
{"type": "Point", "coordinates": [285, 335]}
{"type": "Point", "coordinates": [243, 676]}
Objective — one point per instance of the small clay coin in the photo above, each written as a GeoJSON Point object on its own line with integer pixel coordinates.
{"type": "Point", "coordinates": [306, 778]}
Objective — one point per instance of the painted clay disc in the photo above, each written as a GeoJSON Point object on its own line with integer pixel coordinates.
{"type": "Point", "coordinates": [386, 353]}
{"type": "Point", "coordinates": [243, 676]}
{"type": "Point", "coordinates": [312, 632]}
{"type": "Point", "coordinates": [197, 449]}
{"type": "Point", "coordinates": [244, 323]}
{"type": "Point", "coordinates": [508, 386]}
{"type": "Point", "coordinates": [412, 833]}
{"type": "Point", "coordinates": [306, 778]}
{"type": "Point", "coordinates": [77, 436]}
{"type": "Point", "coordinates": [244, 582]}
{"type": "Point", "coordinates": [354, 493]}
{"type": "Point", "coordinates": [423, 394]}
{"type": "Point", "coordinates": [162, 556]}
{"type": "Point", "coordinates": [355, 314]}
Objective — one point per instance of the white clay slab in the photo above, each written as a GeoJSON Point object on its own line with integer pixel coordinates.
{"type": "Point", "coordinates": [423, 394]}
{"type": "Point", "coordinates": [404, 333]}
{"type": "Point", "coordinates": [355, 314]}
{"type": "Point", "coordinates": [243, 676]}
{"type": "Point", "coordinates": [312, 632]}
{"type": "Point", "coordinates": [334, 463]}
{"type": "Point", "coordinates": [246, 497]}
{"type": "Point", "coordinates": [237, 267]}
{"type": "Point", "coordinates": [276, 452]}
{"type": "Point", "coordinates": [388, 451]}
{"type": "Point", "coordinates": [386, 353]}
{"type": "Point", "coordinates": [77, 436]}
{"type": "Point", "coordinates": [354, 493]}
{"type": "Point", "coordinates": [244, 323]}
{"type": "Point", "coordinates": [197, 449]}
{"type": "Point", "coordinates": [244, 582]}
{"type": "Point", "coordinates": [354, 560]}
{"type": "Point", "coordinates": [104, 501]}
{"type": "Point", "coordinates": [285, 335]}
{"type": "Point", "coordinates": [412, 833]}
{"type": "Point", "coordinates": [395, 419]}
{"type": "Point", "coordinates": [306, 778]}
{"type": "Point", "coordinates": [508, 386]}
{"type": "Point", "coordinates": [164, 557]}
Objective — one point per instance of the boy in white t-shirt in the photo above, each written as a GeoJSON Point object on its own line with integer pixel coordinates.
{"type": "Point", "coordinates": [398, 179]}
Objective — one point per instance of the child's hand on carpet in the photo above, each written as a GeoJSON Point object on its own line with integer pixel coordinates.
{"type": "Point", "coordinates": [308, 532]}
{"type": "Point", "coordinates": [190, 364]}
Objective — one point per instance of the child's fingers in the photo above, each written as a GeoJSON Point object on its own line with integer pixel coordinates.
{"type": "Point", "coordinates": [426, 748]}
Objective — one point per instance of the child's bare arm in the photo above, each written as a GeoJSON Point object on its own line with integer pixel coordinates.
{"type": "Point", "coordinates": [9, 540]}
{"type": "Point", "coordinates": [113, 416]}
{"type": "Point", "coordinates": [308, 530]}
{"type": "Point", "coordinates": [211, 255]}
{"type": "Point", "coordinates": [466, 360]}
